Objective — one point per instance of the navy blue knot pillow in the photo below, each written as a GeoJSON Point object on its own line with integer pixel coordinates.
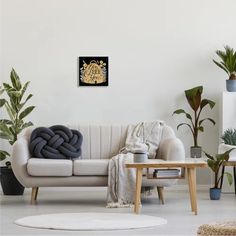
{"type": "Point", "coordinates": [55, 142]}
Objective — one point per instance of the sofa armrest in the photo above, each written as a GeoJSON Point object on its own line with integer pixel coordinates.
{"type": "Point", "coordinates": [19, 159]}
{"type": "Point", "coordinates": [171, 149]}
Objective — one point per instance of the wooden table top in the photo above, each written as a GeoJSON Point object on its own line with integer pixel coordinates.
{"type": "Point", "coordinates": [153, 163]}
{"type": "Point", "coordinates": [229, 163]}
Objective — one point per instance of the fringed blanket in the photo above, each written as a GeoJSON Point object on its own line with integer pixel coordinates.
{"type": "Point", "coordinates": [121, 180]}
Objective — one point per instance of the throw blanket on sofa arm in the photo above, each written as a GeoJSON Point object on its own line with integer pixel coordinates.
{"type": "Point", "coordinates": [55, 142]}
{"type": "Point", "coordinates": [121, 180]}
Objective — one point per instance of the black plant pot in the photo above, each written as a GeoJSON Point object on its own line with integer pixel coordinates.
{"type": "Point", "coordinates": [9, 182]}
{"type": "Point", "coordinates": [215, 193]}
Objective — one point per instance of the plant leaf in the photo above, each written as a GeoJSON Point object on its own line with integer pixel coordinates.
{"type": "Point", "coordinates": [24, 89]}
{"type": "Point", "coordinates": [209, 156]}
{"type": "Point", "coordinates": [200, 128]}
{"type": "Point", "coordinates": [211, 120]}
{"type": "Point", "coordinates": [26, 112]}
{"type": "Point", "coordinates": [186, 125]}
{"type": "Point", "coordinates": [10, 111]}
{"type": "Point", "coordinates": [221, 66]}
{"type": "Point", "coordinates": [6, 122]}
{"type": "Point", "coordinates": [181, 111]}
{"type": "Point", "coordinates": [22, 104]}
{"type": "Point", "coordinates": [1, 91]}
{"type": "Point", "coordinates": [193, 96]}
{"type": "Point", "coordinates": [25, 125]}
{"type": "Point", "coordinates": [3, 155]}
{"type": "Point", "coordinates": [2, 102]}
{"type": "Point", "coordinates": [5, 136]}
{"type": "Point", "coordinates": [4, 129]}
{"type": "Point", "coordinates": [15, 80]}
{"type": "Point", "coordinates": [229, 177]}
{"type": "Point", "coordinates": [205, 102]}
{"type": "Point", "coordinates": [7, 86]}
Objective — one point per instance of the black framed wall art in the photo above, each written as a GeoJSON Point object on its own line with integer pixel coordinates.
{"type": "Point", "coordinates": [93, 71]}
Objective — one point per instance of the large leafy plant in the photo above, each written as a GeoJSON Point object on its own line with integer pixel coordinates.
{"type": "Point", "coordinates": [14, 104]}
{"type": "Point", "coordinates": [228, 61]}
{"type": "Point", "coordinates": [215, 164]}
{"type": "Point", "coordinates": [195, 123]}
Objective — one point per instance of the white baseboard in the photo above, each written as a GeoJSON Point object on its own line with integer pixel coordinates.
{"type": "Point", "coordinates": [178, 187]}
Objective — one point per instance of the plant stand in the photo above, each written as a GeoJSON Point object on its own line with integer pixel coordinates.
{"type": "Point", "coordinates": [233, 164]}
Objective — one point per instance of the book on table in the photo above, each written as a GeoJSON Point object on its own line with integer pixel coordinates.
{"type": "Point", "coordinates": [166, 172]}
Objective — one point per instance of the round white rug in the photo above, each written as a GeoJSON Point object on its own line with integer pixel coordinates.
{"type": "Point", "coordinates": [90, 221]}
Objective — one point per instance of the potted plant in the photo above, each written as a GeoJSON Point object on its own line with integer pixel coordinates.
{"type": "Point", "coordinates": [215, 164]}
{"type": "Point", "coordinates": [14, 104]}
{"type": "Point", "coordinates": [228, 64]}
{"type": "Point", "coordinates": [229, 141]}
{"type": "Point", "coordinates": [195, 124]}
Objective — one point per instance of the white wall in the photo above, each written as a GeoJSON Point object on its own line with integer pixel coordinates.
{"type": "Point", "coordinates": [156, 49]}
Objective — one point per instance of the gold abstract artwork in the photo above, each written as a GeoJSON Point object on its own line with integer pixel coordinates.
{"type": "Point", "coordinates": [93, 71]}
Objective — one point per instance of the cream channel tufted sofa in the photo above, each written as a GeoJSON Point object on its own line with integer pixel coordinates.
{"type": "Point", "coordinates": [99, 144]}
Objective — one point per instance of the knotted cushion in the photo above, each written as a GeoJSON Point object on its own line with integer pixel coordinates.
{"type": "Point", "coordinates": [55, 142]}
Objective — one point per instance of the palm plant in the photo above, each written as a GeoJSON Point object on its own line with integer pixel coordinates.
{"type": "Point", "coordinates": [15, 108]}
{"type": "Point", "coordinates": [215, 164]}
{"type": "Point", "coordinates": [229, 137]}
{"type": "Point", "coordinates": [228, 61]}
{"type": "Point", "coordinates": [197, 104]}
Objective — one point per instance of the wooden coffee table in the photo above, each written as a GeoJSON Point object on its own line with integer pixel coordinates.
{"type": "Point", "coordinates": [190, 164]}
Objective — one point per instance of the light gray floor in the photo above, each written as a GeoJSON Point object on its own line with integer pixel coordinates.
{"type": "Point", "coordinates": [176, 210]}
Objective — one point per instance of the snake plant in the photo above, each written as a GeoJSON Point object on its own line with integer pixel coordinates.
{"type": "Point", "coordinates": [14, 104]}
{"type": "Point", "coordinates": [197, 104]}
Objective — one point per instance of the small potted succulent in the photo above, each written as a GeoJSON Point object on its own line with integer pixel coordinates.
{"type": "Point", "coordinates": [195, 122]}
{"type": "Point", "coordinates": [229, 141]}
{"type": "Point", "coordinates": [215, 164]}
{"type": "Point", "coordinates": [228, 64]}
{"type": "Point", "coordinates": [14, 104]}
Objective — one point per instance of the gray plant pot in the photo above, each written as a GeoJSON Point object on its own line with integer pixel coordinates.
{"type": "Point", "coordinates": [231, 85]}
{"type": "Point", "coordinates": [196, 152]}
{"type": "Point", "coordinates": [140, 157]}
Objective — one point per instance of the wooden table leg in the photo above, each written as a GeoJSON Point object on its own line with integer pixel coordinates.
{"type": "Point", "coordinates": [139, 173]}
{"type": "Point", "coordinates": [192, 188]}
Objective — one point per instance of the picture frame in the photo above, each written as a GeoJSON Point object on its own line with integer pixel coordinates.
{"type": "Point", "coordinates": [93, 71]}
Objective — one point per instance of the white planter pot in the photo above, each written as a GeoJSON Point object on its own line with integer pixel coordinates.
{"type": "Point", "coordinates": [225, 147]}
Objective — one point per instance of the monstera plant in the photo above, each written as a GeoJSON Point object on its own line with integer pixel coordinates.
{"type": "Point", "coordinates": [13, 99]}
{"type": "Point", "coordinates": [195, 122]}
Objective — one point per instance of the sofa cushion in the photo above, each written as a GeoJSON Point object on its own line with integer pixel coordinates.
{"type": "Point", "coordinates": [55, 142]}
{"type": "Point", "coordinates": [91, 167]}
{"type": "Point", "coordinates": [49, 167]}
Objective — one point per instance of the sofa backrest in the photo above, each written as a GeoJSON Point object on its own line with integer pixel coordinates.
{"type": "Point", "coordinates": [104, 141]}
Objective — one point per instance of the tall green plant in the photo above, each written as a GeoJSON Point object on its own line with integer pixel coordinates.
{"type": "Point", "coordinates": [228, 61]}
{"type": "Point", "coordinates": [195, 101]}
{"type": "Point", "coordinates": [14, 104]}
{"type": "Point", "coordinates": [215, 163]}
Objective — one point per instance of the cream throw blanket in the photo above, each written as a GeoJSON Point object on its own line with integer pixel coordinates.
{"type": "Point", "coordinates": [121, 180]}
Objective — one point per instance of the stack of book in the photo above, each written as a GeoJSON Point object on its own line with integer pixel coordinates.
{"type": "Point", "coordinates": [166, 173]}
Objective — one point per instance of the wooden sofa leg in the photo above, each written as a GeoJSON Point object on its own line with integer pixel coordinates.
{"type": "Point", "coordinates": [160, 194]}
{"type": "Point", "coordinates": [34, 194]}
